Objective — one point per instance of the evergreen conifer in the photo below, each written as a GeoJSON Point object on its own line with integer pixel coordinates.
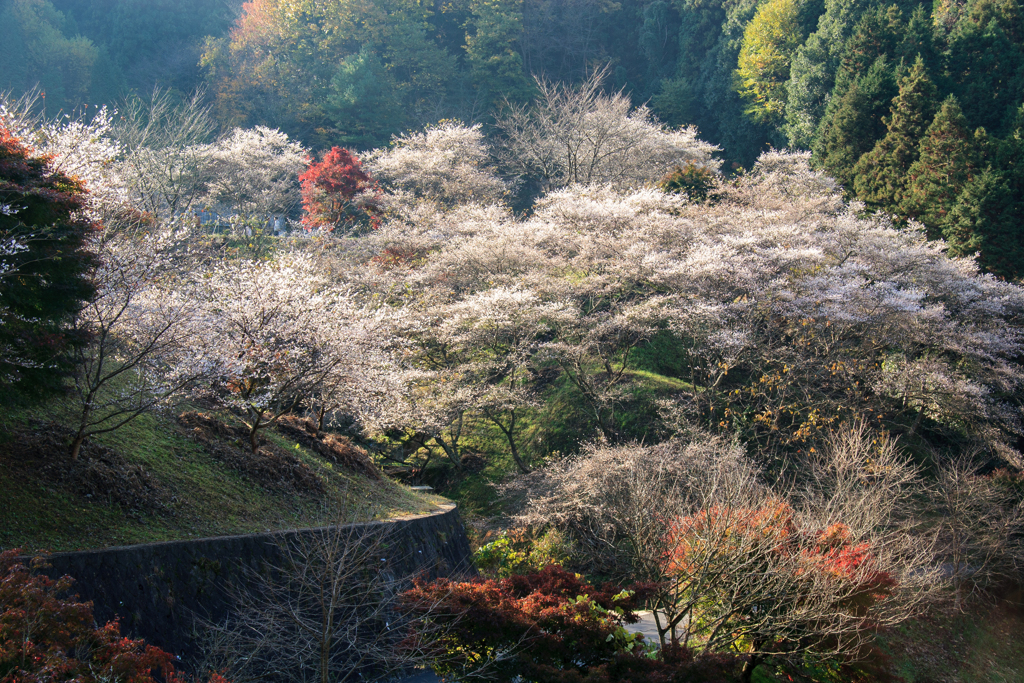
{"type": "Point", "coordinates": [948, 157]}
{"type": "Point", "coordinates": [880, 176]}
{"type": "Point", "coordinates": [853, 122]}
{"type": "Point", "coordinates": [986, 220]}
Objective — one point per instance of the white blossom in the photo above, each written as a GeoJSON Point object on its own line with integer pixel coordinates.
{"type": "Point", "coordinates": [447, 164]}
{"type": "Point", "coordinates": [254, 173]}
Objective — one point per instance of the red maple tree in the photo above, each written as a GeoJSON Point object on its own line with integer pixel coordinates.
{"type": "Point", "coordinates": [336, 191]}
{"type": "Point", "coordinates": [550, 625]}
{"type": "Point", "coordinates": [761, 580]}
{"type": "Point", "coordinates": [45, 635]}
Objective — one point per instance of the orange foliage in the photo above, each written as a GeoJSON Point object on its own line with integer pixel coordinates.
{"type": "Point", "coordinates": [46, 636]}
{"type": "Point", "coordinates": [769, 539]}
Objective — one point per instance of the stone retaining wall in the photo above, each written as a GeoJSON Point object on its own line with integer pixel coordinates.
{"type": "Point", "coordinates": [157, 589]}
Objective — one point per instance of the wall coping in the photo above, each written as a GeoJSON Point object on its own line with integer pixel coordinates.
{"type": "Point", "coordinates": [443, 509]}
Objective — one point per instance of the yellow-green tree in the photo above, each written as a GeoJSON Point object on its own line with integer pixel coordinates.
{"type": "Point", "coordinates": [769, 41]}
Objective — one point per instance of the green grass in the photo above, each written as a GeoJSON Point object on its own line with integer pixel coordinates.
{"type": "Point", "coordinates": [655, 382]}
{"type": "Point", "coordinates": [982, 643]}
{"type": "Point", "coordinates": [554, 429]}
{"type": "Point", "coordinates": [206, 498]}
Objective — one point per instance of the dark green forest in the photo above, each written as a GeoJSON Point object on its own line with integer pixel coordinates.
{"type": "Point", "coordinates": [914, 108]}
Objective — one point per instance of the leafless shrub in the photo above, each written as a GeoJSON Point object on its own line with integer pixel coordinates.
{"type": "Point", "coordinates": [326, 611]}
{"type": "Point", "coordinates": [166, 165]}
{"type": "Point", "coordinates": [861, 480]}
{"type": "Point", "coordinates": [617, 502]}
{"type": "Point", "coordinates": [980, 527]}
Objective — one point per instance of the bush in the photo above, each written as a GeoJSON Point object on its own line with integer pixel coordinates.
{"type": "Point", "coordinates": [516, 552]}
{"type": "Point", "coordinates": [47, 636]}
{"type": "Point", "coordinates": [546, 626]}
{"type": "Point", "coordinates": [696, 182]}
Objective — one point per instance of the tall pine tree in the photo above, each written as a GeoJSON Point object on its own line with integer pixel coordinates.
{"type": "Point", "coordinates": [853, 123]}
{"type": "Point", "coordinates": [948, 159]}
{"type": "Point", "coordinates": [985, 60]}
{"type": "Point", "coordinates": [986, 220]}
{"type": "Point", "coordinates": [880, 176]}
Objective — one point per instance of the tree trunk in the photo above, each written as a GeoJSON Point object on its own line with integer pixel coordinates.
{"type": "Point", "coordinates": [451, 451]}
{"type": "Point", "coordinates": [83, 423]}
{"type": "Point", "coordinates": [510, 436]}
{"type": "Point", "coordinates": [254, 434]}
{"type": "Point", "coordinates": [523, 469]}
{"type": "Point", "coordinates": [746, 675]}
{"type": "Point", "coordinates": [76, 445]}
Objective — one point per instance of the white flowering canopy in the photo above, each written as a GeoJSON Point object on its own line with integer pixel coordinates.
{"type": "Point", "coordinates": [254, 172]}
{"type": "Point", "coordinates": [828, 313]}
{"type": "Point", "coordinates": [447, 164]}
{"type": "Point", "coordinates": [579, 135]}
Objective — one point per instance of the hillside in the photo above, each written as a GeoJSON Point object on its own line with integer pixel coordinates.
{"type": "Point", "coordinates": [168, 476]}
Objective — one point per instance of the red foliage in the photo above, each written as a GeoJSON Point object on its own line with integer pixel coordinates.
{"type": "Point", "coordinates": [45, 636]}
{"type": "Point", "coordinates": [705, 549]}
{"type": "Point", "coordinates": [52, 280]}
{"type": "Point", "coordinates": [550, 626]}
{"type": "Point", "coordinates": [772, 531]}
{"type": "Point", "coordinates": [769, 529]}
{"type": "Point", "coordinates": [330, 188]}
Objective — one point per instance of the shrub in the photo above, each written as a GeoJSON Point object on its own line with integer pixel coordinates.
{"type": "Point", "coordinates": [547, 626]}
{"type": "Point", "coordinates": [696, 182]}
{"type": "Point", "coordinates": [47, 636]}
{"type": "Point", "coordinates": [516, 552]}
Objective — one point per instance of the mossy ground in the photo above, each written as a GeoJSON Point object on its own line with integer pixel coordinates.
{"type": "Point", "coordinates": [199, 494]}
{"type": "Point", "coordinates": [981, 643]}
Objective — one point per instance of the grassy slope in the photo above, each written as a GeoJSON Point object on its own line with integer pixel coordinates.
{"type": "Point", "coordinates": [203, 496]}
{"type": "Point", "coordinates": [982, 643]}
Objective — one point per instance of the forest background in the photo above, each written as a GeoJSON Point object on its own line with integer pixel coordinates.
{"type": "Point", "coordinates": [915, 108]}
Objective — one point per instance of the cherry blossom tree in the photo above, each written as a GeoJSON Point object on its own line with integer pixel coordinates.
{"type": "Point", "coordinates": [578, 134]}
{"type": "Point", "coordinates": [254, 174]}
{"type": "Point", "coordinates": [86, 148]}
{"type": "Point", "coordinates": [804, 315]}
{"type": "Point", "coordinates": [276, 332]}
{"type": "Point", "coordinates": [793, 313]}
{"type": "Point", "coordinates": [473, 357]}
{"type": "Point", "coordinates": [447, 163]}
{"type": "Point", "coordinates": [146, 335]}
